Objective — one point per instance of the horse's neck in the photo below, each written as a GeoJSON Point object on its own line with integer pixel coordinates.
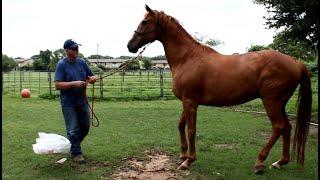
{"type": "Point", "coordinates": [176, 47]}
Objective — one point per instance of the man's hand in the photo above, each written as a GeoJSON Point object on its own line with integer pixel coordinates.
{"type": "Point", "coordinates": [92, 79]}
{"type": "Point", "coordinates": [79, 84]}
{"type": "Point", "coordinates": [67, 85]}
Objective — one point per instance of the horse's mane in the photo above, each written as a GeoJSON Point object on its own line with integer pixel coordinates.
{"type": "Point", "coordinates": [168, 22]}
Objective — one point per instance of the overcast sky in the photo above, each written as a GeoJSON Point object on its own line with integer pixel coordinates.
{"type": "Point", "coordinates": [29, 26]}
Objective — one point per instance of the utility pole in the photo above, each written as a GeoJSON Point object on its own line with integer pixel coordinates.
{"type": "Point", "coordinates": [97, 54]}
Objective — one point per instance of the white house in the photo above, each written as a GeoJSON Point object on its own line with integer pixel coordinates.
{"type": "Point", "coordinates": [115, 63]}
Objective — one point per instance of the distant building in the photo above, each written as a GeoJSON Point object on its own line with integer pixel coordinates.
{"type": "Point", "coordinates": [115, 63]}
{"type": "Point", "coordinates": [23, 62]}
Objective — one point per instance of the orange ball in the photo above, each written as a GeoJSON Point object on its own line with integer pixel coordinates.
{"type": "Point", "coordinates": [25, 93]}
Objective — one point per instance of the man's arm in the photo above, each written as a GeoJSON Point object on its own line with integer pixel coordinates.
{"type": "Point", "coordinates": [67, 85]}
{"type": "Point", "coordinates": [91, 78]}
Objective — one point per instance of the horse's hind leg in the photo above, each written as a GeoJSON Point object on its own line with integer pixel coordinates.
{"type": "Point", "coordinates": [279, 125]}
{"type": "Point", "coordinates": [183, 140]}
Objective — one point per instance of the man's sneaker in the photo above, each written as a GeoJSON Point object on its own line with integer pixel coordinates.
{"type": "Point", "coordinates": [78, 158]}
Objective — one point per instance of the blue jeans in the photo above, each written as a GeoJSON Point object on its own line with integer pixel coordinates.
{"type": "Point", "coordinates": [77, 120]}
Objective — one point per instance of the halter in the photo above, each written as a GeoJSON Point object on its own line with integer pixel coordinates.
{"type": "Point", "coordinates": [144, 33]}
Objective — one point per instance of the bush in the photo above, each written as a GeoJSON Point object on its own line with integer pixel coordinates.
{"type": "Point", "coordinates": [96, 70]}
{"type": "Point", "coordinates": [102, 67]}
{"type": "Point", "coordinates": [312, 68]}
{"type": "Point", "coordinates": [49, 96]}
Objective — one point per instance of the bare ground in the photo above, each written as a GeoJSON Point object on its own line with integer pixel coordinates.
{"type": "Point", "coordinates": [156, 166]}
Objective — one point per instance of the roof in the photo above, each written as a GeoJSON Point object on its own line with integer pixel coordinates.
{"type": "Point", "coordinates": [22, 60]}
{"type": "Point", "coordinates": [122, 60]}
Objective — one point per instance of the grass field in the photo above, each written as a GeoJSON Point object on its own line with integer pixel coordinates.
{"type": "Point", "coordinates": [227, 142]}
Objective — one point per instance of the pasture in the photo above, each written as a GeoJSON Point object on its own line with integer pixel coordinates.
{"type": "Point", "coordinates": [227, 142]}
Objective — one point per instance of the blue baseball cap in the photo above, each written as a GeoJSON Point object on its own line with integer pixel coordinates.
{"type": "Point", "coordinates": [71, 44]}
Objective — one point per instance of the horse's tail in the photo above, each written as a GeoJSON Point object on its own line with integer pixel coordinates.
{"type": "Point", "coordinates": [303, 115]}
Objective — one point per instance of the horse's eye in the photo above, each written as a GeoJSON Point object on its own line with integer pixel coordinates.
{"type": "Point", "coordinates": [144, 22]}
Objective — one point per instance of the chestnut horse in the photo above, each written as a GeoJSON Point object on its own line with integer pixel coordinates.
{"type": "Point", "coordinates": [202, 76]}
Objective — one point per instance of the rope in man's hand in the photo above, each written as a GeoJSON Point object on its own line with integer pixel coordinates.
{"type": "Point", "coordinates": [122, 67]}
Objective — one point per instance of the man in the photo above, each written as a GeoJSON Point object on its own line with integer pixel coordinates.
{"type": "Point", "coordinates": [71, 77]}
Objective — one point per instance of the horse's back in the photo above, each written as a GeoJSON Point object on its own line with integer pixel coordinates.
{"type": "Point", "coordinates": [235, 79]}
{"type": "Point", "coordinates": [279, 74]}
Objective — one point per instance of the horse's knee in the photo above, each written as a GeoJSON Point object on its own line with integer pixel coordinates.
{"type": "Point", "coordinates": [286, 131]}
{"type": "Point", "coordinates": [182, 126]}
{"type": "Point", "coordinates": [191, 133]}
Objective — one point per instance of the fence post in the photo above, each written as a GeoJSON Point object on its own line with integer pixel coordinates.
{"type": "Point", "coordinates": [101, 85]}
{"type": "Point", "coordinates": [123, 75]}
{"type": "Point", "coordinates": [30, 80]}
{"type": "Point", "coordinates": [121, 82]}
{"type": "Point", "coordinates": [161, 82]}
{"type": "Point", "coordinates": [20, 80]}
{"type": "Point", "coordinates": [39, 83]}
{"type": "Point", "coordinates": [140, 80]}
{"type": "Point", "coordinates": [14, 81]}
{"type": "Point", "coordinates": [2, 82]}
{"type": "Point", "coordinates": [49, 79]}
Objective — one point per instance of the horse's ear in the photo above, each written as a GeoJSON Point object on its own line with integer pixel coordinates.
{"type": "Point", "coordinates": [148, 9]}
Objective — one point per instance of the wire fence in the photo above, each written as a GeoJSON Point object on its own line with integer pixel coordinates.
{"type": "Point", "coordinates": [125, 84]}
{"type": "Point", "coordinates": [138, 84]}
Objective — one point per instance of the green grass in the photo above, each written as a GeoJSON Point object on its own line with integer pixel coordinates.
{"type": "Point", "coordinates": [128, 128]}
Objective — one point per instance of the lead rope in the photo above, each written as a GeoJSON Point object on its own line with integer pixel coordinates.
{"type": "Point", "coordinates": [121, 67]}
{"type": "Point", "coordinates": [93, 115]}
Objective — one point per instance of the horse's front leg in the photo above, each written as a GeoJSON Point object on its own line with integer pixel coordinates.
{"type": "Point", "coordinates": [190, 111]}
{"type": "Point", "coordinates": [183, 140]}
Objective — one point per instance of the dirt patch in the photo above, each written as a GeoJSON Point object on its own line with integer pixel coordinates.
{"type": "Point", "coordinates": [313, 131]}
{"type": "Point", "coordinates": [156, 166]}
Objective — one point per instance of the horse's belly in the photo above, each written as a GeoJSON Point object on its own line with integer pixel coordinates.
{"type": "Point", "coordinates": [228, 97]}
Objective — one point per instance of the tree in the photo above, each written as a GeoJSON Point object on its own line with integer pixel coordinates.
{"type": "Point", "coordinates": [8, 63]}
{"type": "Point", "coordinates": [159, 57]}
{"type": "Point", "coordinates": [35, 56]}
{"type": "Point", "coordinates": [133, 66]}
{"type": "Point", "coordinates": [213, 42]}
{"type": "Point", "coordinates": [253, 48]}
{"type": "Point", "coordinates": [95, 57]}
{"type": "Point", "coordinates": [299, 19]}
{"type": "Point", "coordinates": [124, 57]}
{"type": "Point", "coordinates": [45, 58]}
{"type": "Point", "coordinates": [39, 65]}
{"type": "Point", "coordinates": [99, 57]}
{"type": "Point", "coordinates": [55, 57]}
{"type": "Point", "coordinates": [298, 49]}
{"type": "Point", "coordinates": [208, 41]}
{"type": "Point", "coordinates": [146, 63]}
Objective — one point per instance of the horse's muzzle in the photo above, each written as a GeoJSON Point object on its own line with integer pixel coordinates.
{"type": "Point", "coordinates": [131, 48]}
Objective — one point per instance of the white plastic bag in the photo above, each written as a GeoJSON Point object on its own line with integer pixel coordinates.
{"type": "Point", "coordinates": [49, 143]}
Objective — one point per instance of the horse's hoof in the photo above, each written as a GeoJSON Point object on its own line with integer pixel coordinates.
{"type": "Point", "coordinates": [184, 166]}
{"type": "Point", "coordinates": [275, 165]}
{"type": "Point", "coordinates": [259, 169]}
{"type": "Point", "coordinates": [182, 160]}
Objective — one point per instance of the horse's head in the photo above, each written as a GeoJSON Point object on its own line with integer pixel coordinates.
{"type": "Point", "coordinates": [146, 32]}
